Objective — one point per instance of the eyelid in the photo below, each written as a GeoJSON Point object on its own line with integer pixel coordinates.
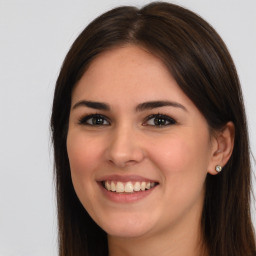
{"type": "Point", "coordinates": [163, 116]}
{"type": "Point", "coordinates": [83, 120]}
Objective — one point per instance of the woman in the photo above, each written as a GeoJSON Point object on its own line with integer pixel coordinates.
{"type": "Point", "coordinates": [150, 139]}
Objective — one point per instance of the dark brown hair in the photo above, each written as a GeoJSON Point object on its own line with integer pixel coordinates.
{"type": "Point", "coordinates": [200, 63]}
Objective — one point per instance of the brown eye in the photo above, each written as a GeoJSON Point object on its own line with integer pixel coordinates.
{"type": "Point", "coordinates": [94, 120]}
{"type": "Point", "coordinates": [159, 120]}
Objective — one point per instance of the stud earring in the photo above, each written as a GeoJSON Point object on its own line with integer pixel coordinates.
{"type": "Point", "coordinates": [218, 168]}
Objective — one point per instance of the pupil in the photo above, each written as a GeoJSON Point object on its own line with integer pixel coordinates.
{"type": "Point", "coordinates": [159, 121]}
{"type": "Point", "coordinates": [97, 121]}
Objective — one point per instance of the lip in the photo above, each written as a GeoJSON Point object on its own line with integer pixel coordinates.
{"type": "Point", "coordinates": [125, 197]}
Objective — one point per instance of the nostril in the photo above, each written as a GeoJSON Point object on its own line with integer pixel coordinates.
{"type": "Point", "coordinates": [125, 160]}
{"type": "Point", "coordinates": [123, 148]}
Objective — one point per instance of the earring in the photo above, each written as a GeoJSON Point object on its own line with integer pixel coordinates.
{"type": "Point", "coordinates": [218, 168]}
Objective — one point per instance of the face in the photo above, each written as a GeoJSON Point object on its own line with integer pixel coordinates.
{"type": "Point", "coordinates": [139, 149]}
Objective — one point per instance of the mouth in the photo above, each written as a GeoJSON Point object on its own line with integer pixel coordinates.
{"type": "Point", "coordinates": [128, 187]}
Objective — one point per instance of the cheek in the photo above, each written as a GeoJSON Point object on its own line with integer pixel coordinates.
{"type": "Point", "coordinates": [83, 154]}
{"type": "Point", "coordinates": [183, 165]}
{"type": "Point", "coordinates": [171, 155]}
{"type": "Point", "coordinates": [183, 161]}
{"type": "Point", "coordinates": [182, 152]}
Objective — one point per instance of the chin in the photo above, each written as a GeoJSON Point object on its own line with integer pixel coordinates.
{"type": "Point", "coordinates": [128, 228]}
{"type": "Point", "coordinates": [127, 232]}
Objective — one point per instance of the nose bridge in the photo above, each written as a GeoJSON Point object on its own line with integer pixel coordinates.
{"type": "Point", "coordinates": [124, 148]}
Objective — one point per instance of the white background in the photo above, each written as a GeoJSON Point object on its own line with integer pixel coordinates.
{"type": "Point", "coordinates": [35, 35]}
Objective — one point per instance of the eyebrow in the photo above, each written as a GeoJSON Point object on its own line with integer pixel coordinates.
{"type": "Point", "coordinates": [92, 104]}
{"type": "Point", "coordinates": [158, 104]}
{"type": "Point", "coordinates": [141, 107]}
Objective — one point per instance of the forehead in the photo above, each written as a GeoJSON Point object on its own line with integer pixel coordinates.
{"type": "Point", "coordinates": [127, 62]}
{"type": "Point", "coordinates": [129, 73]}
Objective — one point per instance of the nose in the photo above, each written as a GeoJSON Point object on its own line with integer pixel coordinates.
{"type": "Point", "coordinates": [125, 147]}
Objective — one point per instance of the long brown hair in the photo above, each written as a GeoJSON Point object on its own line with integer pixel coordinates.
{"type": "Point", "coordinates": [199, 61]}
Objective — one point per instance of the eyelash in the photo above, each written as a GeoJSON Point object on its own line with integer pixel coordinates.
{"type": "Point", "coordinates": [84, 120]}
{"type": "Point", "coordinates": [164, 120]}
{"type": "Point", "coordinates": [159, 120]}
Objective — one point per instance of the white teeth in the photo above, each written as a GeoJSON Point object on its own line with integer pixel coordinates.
{"type": "Point", "coordinates": [143, 186]}
{"type": "Point", "coordinates": [136, 186]}
{"type": "Point", "coordinates": [107, 186]}
{"type": "Point", "coordinates": [128, 187]}
{"type": "Point", "coordinates": [112, 186]}
{"type": "Point", "coordinates": [119, 187]}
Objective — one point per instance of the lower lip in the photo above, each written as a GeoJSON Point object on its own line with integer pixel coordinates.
{"type": "Point", "coordinates": [126, 197]}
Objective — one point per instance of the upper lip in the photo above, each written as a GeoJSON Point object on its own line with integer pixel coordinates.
{"type": "Point", "coordinates": [125, 178]}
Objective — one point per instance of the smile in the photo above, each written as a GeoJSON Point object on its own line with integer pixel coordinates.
{"type": "Point", "coordinates": [128, 187]}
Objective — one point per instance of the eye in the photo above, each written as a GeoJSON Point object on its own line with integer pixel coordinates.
{"type": "Point", "coordinates": [94, 120]}
{"type": "Point", "coordinates": [159, 120]}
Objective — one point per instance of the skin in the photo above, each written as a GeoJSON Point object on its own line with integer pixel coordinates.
{"type": "Point", "coordinates": [178, 155]}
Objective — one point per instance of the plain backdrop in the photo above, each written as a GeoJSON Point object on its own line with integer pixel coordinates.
{"type": "Point", "coordinates": [35, 35]}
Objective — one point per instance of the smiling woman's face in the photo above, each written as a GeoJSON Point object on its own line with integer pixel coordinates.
{"type": "Point", "coordinates": [139, 149]}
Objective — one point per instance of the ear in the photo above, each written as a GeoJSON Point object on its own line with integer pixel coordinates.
{"type": "Point", "coordinates": [222, 147]}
